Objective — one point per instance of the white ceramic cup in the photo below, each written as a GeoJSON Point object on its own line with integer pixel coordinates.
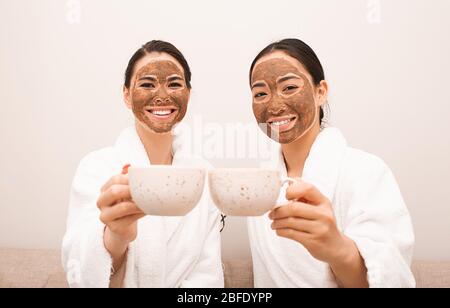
{"type": "Point", "coordinates": [246, 192]}
{"type": "Point", "coordinates": [166, 190]}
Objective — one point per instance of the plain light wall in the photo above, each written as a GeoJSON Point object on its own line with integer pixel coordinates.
{"type": "Point", "coordinates": [61, 75]}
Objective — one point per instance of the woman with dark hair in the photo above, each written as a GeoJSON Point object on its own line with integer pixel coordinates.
{"type": "Point", "coordinates": [344, 223]}
{"type": "Point", "coordinates": [103, 245]}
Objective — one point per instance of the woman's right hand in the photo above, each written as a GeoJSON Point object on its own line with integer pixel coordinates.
{"type": "Point", "coordinates": [120, 215]}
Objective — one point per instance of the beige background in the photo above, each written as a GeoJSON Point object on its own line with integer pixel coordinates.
{"type": "Point", "coordinates": [60, 92]}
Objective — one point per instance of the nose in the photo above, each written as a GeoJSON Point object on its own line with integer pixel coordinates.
{"type": "Point", "coordinates": [276, 107]}
{"type": "Point", "coordinates": [161, 101]}
{"type": "Point", "coordinates": [162, 97]}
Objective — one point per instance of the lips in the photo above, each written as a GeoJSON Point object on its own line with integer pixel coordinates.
{"type": "Point", "coordinates": [282, 124]}
{"type": "Point", "coordinates": [161, 113]}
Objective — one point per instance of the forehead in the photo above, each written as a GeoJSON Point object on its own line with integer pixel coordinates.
{"type": "Point", "coordinates": [152, 60]}
{"type": "Point", "coordinates": [277, 64]}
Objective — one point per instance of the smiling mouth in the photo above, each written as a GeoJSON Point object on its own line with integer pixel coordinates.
{"type": "Point", "coordinates": [161, 114]}
{"type": "Point", "coordinates": [282, 124]}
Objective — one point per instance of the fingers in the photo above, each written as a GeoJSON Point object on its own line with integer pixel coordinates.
{"type": "Point", "coordinates": [292, 234]}
{"type": "Point", "coordinates": [120, 179]}
{"type": "Point", "coordinates": [129, 220]}
{"type": "Point", "coordinates": [305, 191]}
{"type": "Point", "coordinates": [298, 224]}
{"type": "Point", "coordinates": [125, 169]}
{"type": "Point", "coordinates": [113, 195]}
{"type": "Point", "coordinates": [119, 211]}
{"type": "Point", "coordinates": [295, 209]}
{"type": "Point", "coordinates": [122, 225]}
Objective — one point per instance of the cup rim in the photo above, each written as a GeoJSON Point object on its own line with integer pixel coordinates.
{"type": "Point", "coordinates": [237, 170]}
{"type": "Point", "coordinates": [168, 167]}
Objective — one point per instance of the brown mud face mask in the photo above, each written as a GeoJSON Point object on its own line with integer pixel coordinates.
{"type": "Point", "coordinates": [296, 104]}
{"type": "Point", "coordinates": [156, 87]}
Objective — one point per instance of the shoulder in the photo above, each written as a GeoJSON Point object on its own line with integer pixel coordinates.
{"type": "Point", "coordinates": [364, 174]}
{"type": "Point", "coordinates": [358, 163]}
{"type": "Point", "coordinates": [95, 166]}
{"type": "Point", "coordinates": [98, 158]}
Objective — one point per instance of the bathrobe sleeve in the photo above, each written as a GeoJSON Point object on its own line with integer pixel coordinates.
{"type": "Point", "coordinates": [379, 223]}
{"type": "Point", "coordinates": [85, 259]}
{"type": "Point", "coordinates": [208, 272]}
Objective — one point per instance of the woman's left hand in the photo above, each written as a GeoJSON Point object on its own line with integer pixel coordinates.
{"type": "Point", "coordinates": [309, 220]}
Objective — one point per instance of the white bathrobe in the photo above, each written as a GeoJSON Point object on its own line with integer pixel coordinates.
{"type": "Point", "coordinates": [168, 251]}
{"type": "Point", "coordinates": [369, 209]}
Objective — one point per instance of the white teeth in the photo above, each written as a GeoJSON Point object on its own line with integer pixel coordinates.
{"type": "Point", "coordinates": [162, 112]}
{"type": "Point", "coordinates": [280, 123]}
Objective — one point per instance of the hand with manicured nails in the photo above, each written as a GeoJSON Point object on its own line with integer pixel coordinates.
{"type": "Point", "coordinates": [120, 215]}
{"type": "Point", "coordinates": [309, 219]}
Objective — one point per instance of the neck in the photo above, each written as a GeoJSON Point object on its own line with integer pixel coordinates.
{"type": "Point", "coordinates": [296, 153]}
{"type": "Point", "coordinates": [158, 146]}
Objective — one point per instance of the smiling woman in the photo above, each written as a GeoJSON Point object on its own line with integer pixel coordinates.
{"type": "Point", "coordinates": [102, 237]}
{"type": "Point", "coordinates": [344, 223]}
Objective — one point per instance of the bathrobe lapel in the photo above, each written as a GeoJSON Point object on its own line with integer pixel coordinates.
{"type": "Point", "coordinates": [322, 167]}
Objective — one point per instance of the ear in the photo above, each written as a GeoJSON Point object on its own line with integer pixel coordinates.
{"type": "Point", "coordinates": [322, 93]}
{"type": "Point", "coordinates": [127, 97]}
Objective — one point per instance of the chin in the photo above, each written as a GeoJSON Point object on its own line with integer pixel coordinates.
{"type": "Point", "coordinates": [290, 137]}
{"type": "Point", "coordinates": [285, 140]}
{"type": "Point", "coordinates": [161, 130]}
{"type": "Point", "coordinates": [151, 128]}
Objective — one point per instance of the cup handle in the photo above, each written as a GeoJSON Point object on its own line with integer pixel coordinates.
{"type": "Point", "coordinates": [285, 181]}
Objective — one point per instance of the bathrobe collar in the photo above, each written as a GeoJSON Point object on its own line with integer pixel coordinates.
{"type": "Point", "coordinates": [130, 149]}
{"type": "Point", "coordinates": [324, 161]}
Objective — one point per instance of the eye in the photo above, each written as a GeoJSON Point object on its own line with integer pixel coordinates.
{"type": "Point", "coordinates": [260, 95]}
{"type": "Point", "coordinates": [175, 85]}
{"type": "Point", "coordinates": [148, 85]}
{"type": "Point", "coordinates": [290, 88]}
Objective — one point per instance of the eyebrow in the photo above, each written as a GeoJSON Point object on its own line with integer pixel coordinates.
{"type": "Point", "coordinates": [151, 78]}
{"type": "Point", "coordinates": [288, 77]}
{"type": "Point", "coordinates": [174, 78]}
{"type": "Point", "coordinates": [258, 84]}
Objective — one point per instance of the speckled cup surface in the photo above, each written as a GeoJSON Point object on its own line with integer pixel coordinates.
{"type": "Point", "coordinates": [245, 192]}
{"type": "Point", "coordinates": [166, 190]}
